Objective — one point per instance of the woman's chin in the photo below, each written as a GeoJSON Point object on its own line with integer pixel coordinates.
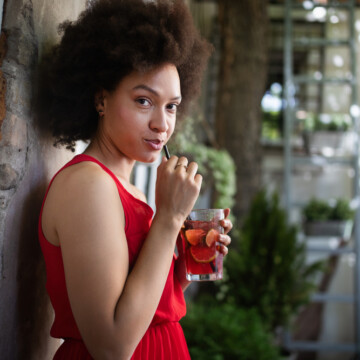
{"type": "Point", "coordinates": [149, 159]}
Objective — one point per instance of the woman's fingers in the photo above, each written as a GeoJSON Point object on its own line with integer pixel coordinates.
{"type": "Point", "coordinates": [177, 187]}
{"type": "Point", "coordinates": [182, 164]}
{"type": "Point", "coordinates": [171, 163]}
{"type": "Point", "coordinates": [224, 239]}
{"type": "Point", "coordinates": [223, 250]}
{"type": "Point", "coordinates": [192, 169]}
{"type": "Point", "coordinates": [226, 223]}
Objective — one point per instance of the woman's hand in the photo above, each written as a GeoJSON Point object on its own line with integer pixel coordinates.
{"type": "Point", "coordinates": [225, 239]}
{"type": "Point", "coordinates": [177, 188]}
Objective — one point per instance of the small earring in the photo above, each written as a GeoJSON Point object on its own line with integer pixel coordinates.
{"type": "Point", "coordinates": [101, 113]}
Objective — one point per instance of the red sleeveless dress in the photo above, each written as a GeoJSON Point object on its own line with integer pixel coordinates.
{"type": "Point", "coordinates": [164, 339]}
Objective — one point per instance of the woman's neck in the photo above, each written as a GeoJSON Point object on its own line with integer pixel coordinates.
{"type": "Point", "coordinates": [117, 162]}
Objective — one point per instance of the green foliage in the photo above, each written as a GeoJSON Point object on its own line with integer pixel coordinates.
{"type": "Point", "coordinates": [327, 122]}
{"type": "Point", "coordinates": [269, 272]}
{"type": "Point", "coordinates": [342, 210]}
{"type": "Point", "coordinates": [317, 210]}
{"type": "Point", "coordinates": [216, 331]}
{"type": "Point", "coordinates": [271, 125]}
{"type": "Point", "coordinates": [321, 210]}
{"type": "Point", "coordinates": [265, 283]}
{"type": "Point", "coordinates": [216, 166]}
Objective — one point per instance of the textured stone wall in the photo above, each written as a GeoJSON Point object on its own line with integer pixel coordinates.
{"type": "Point", "coordinates": [27, 161]}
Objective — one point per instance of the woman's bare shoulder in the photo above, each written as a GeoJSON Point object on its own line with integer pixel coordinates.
{"type": "Point", "coordinates": [78, 190]}
{"type": "Point", "coordinates": [85, 185]}
{"type": "Point", "coordinates": [84, 172]}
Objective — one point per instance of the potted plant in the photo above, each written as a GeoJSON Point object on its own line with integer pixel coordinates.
{"type": "Point", "coordinates": [327, 134]}
{"type": "Point", "coordinates": [323, 218]}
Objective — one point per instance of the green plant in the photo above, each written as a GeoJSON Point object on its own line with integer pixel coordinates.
{"type": "Point", "coordinates": [327, 122]}
{"type": "Point", "coordinates": [216, 331]}
{"type": "Point", "coordinates": [271, 125]}
{"type": "Point", "coordinates": [321, 210]}
{"type": "Point", "coordinates": [269, 273]}
{"type": "Point", "coordinates": [317, 210]}
{"type": "Point", "coordinates": [342, 210]}
{"type": "Point", "coordinates": [217, 167]}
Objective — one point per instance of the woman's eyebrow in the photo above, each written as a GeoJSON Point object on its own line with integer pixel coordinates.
{"type": "Point", "coordinates": [147, 88]}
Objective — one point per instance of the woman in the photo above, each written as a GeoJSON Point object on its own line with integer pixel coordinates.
{"type": "Point", "coordinates": [118, 78]}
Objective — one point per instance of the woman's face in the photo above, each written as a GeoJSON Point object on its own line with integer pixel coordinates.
{"type": "Point", "coordinates": [140, 114]}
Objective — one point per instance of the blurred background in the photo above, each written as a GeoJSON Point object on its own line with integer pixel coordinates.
{"type": "Point", "coordinates": [276, 136]}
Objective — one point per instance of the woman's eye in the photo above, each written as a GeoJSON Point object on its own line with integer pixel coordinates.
{"type": "Point", "coordinates": [172, 107]}
{"type": "Point", "coordinates": [143, 101]}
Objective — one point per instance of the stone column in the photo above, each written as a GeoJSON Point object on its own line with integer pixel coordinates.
{"type": "Point", "coordinates": [27, 161]}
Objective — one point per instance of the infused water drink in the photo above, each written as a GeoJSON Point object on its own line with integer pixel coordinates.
{"type": "Point", "coordinates": [200, 234]}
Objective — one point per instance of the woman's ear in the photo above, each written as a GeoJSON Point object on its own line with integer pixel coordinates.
{"type": "Point", "coordinates": [99, 102]}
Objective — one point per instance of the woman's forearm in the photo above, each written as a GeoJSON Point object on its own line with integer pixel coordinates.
{"type": "Point", "coordinates": [145, 284]}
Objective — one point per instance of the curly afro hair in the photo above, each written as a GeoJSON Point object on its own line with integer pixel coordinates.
{"type": "Point", "coordinates": [109, 40]}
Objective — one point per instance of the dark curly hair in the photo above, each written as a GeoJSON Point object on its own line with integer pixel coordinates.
{"type": "Point", "coordinates": [111, 39]}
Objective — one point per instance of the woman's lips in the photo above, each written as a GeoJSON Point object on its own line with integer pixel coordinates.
{"type": "Point", "coordinates": [154, 144]}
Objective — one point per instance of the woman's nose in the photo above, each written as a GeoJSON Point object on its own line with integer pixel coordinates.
{"type": "Point", "coordinates": [159, 122]}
